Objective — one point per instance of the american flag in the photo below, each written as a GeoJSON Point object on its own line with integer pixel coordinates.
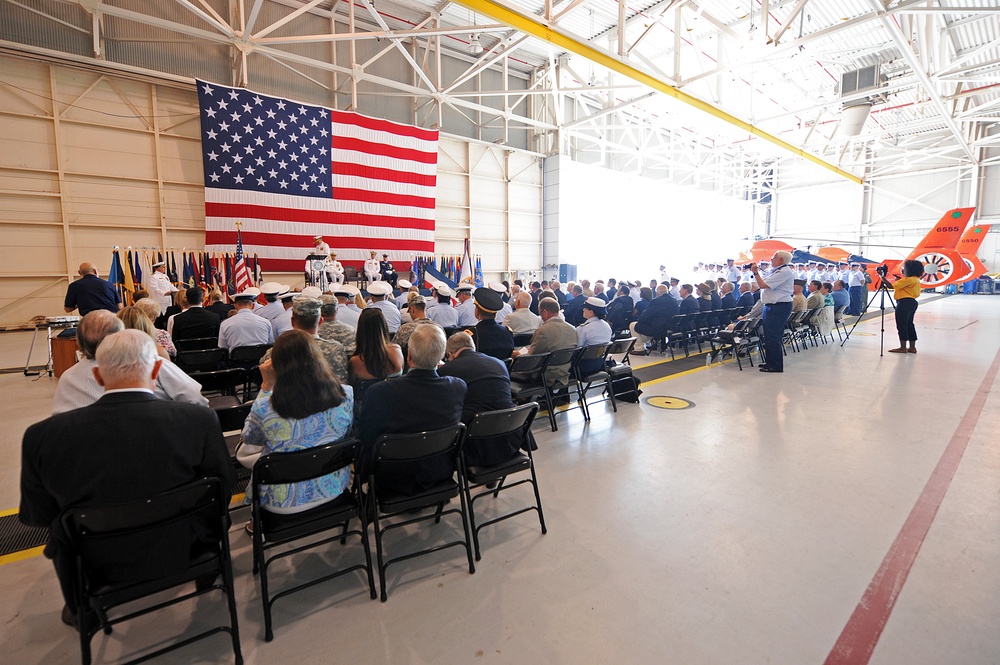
{"type": "Point", "coordinates": [290, 171]}
{"type": "Point", "coordinates": [244, 279]}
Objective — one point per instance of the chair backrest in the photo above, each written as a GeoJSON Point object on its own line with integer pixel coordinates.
{"type": "Point", "coordinates": [220, 379]}
{"type": "Point", "coordinates": [451, 330]}
{"type": "Point", "coordinates": [591, 352]}
{"type": "Point", "coordinates": [233, 417]}
{"type": "Point", "coordinates": [530, 366]}
{"type": "Point", "coordinates": [838, 313]}
{"type": "Point", "coordinates": [620, 346]}
{"type": "Point", "coordinates": [350, 273]}
{"type": "Point", "coordinates": [563, 356]}
{"type": "Point", "coordinates": [522, 339]}
{"type": "Point", "coordinates": [200, 360]}
{"type": "Point", "coordinates": [196, 343]}
{"type": "Point", "coordinates": [248, 354]}
{"type": "Point", "coordinates": [413, 447]}
{"type": "Point", "coordinates": [302, 465]}
{"type": "Point", "coordinates": [503, 421]}
{"type": "Point", "coordinates": [148, 538]}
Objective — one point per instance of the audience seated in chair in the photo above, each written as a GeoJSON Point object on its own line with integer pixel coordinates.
{"type": "Point", "coordinates": [79, 387]}
{"type": "Point", "coordinates": [154, 445]}
{"type": "Point", "coordinates": [420, 400]}
{"type": "Point", "coordinates": [301, 404]}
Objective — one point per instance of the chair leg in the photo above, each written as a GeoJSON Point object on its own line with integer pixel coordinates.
{"type": "Point", "coordinates": [466, 514]}
{"type": "Point", "coordinates": [378, 544]}
{"type": "Point", "coordinates": [268, 631]}
{"type": "Point", "coordinates": [472, 519]}
{"type": "Point", "coordinates": [362, 516]}
{"type": "Point", "coordinates": [230, 591]}
{"type": "Point", "coordinates": [538, 497]}
{"type": "Point", "coordinates": [551, 407]}
{"type": "Point", "coordinates": [611, 395]}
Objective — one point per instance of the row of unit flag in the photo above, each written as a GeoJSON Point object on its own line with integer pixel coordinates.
{"type": "Point", "coordinates": [450, 269]}
{"type": "Point", "coordinates": [231, 273]}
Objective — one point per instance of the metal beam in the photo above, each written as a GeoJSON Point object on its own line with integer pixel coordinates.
{"type": "Point", "coordinates": [896, 35]}
{"type": "Point", "coordinates": [551, 34]}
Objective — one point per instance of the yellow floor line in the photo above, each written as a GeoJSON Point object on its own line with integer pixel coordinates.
{"type": "Point", "coordinates": [5, 513]}
{"type": "Point", "coordinates": [20, 556]}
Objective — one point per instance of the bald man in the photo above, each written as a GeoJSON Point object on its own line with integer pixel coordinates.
{"type": "Point", "coordinates": [90, 292]}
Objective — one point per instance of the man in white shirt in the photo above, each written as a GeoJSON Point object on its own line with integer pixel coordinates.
{"type": "Point", "coordinates": [521, 320]}
{"type": "Point", "coordinates": [776, 294]}
{"type": "Point", "coordinates": [373, 269]}
{"type": "Point", "coordinates": [334, 270]}
{"type": "Point", "coordinates": [160, 287]}
{"type": "Point", "coordinates": [78, 386]}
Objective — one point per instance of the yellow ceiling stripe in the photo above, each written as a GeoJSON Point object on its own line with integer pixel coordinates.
{"type": "Point", "coordinates": [532, 26]}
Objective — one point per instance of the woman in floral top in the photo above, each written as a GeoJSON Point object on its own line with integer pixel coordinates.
{"type": "Point", "coordinates": [301, 405]}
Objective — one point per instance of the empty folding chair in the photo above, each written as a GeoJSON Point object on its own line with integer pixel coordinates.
{"type": "Point", "coordinates": [496, 447]}
{"type": "Point", "coordinates": [400, 459]}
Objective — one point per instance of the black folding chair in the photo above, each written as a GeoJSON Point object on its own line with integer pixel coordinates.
{"type": "Point", "coordinates": [220, 386]}
{"type": "Point", "coordinates": [558, 358]}
{"type": "Point", "coordinates": [522, 339]}
{"type": "Point", "coordinates": [407, 456]}
{"type": "Point", "coordinates": [272, 529]}
{"type": "Point", "coordinates": [196, 343]}
{"type": "Point", "coordinates": [500, 438]}
{"type": "Point", "coordinates": [585, 380]}
{"type": "Point", "coordinates": [527, 382]}
{"type": "Point", "coordinates": [201, 360]}
{"type": "Point", "coordinates": [128, 551]}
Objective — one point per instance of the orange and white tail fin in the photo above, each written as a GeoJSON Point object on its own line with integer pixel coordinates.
{"type": "Point", "coordinates": [972, 238]}
{"type": "Point", "coordinates": [968, 246]}
{"type": "Point", "coordinates": [946, 233]}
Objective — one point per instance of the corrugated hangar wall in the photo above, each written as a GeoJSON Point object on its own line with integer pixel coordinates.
{"type": "Point", "coordinates": [91, 160]}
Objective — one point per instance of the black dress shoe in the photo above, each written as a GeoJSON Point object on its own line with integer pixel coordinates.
{"type": "Point", "coordinates": [771, 370]}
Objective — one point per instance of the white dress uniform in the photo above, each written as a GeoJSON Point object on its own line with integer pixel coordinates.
{"type": "Point", "coordinates": [373, 270]}
{"type": "Point", "coordinates": [160, 289]}
{"type": "Point", "coordinates": [334, 271]}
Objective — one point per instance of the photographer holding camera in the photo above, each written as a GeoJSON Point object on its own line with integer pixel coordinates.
{"type": "Point", "coordinates": [906, 291]}
{"type": "Point", "coordinates": [776, 294]}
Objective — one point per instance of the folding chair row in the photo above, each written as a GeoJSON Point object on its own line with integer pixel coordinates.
{"type": "Point", "coordinates": [494, 448]}
{"type": "Point", "coordinates": [207, 359]}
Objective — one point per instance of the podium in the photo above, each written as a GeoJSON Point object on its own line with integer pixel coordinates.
{"type": "Point", "coordinates": [62, 350]}
{"type": "Point", "coordinates": [316, 275]}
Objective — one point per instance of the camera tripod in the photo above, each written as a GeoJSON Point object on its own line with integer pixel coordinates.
{"type": "Point", "coordinates": [882, 292]}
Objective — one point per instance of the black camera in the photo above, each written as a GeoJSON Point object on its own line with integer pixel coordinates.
{"type": "Point", "coordinates": [747, 266]}
{"type": "Point", "coordinates": [882, 270]}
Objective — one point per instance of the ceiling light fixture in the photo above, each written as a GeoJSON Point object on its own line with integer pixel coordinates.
{"type": "Point", "coordinates": [475, 47]}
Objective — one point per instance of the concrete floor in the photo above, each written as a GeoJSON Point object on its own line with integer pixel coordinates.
{"type": "Point", "coordinates": [743, 530]}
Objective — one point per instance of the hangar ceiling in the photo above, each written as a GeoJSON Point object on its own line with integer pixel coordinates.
{"type": "Point", "coordinates": [707, 92]}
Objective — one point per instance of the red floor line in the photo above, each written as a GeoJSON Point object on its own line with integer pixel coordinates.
{"type": "Point", "coordinates": [859, 637]}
